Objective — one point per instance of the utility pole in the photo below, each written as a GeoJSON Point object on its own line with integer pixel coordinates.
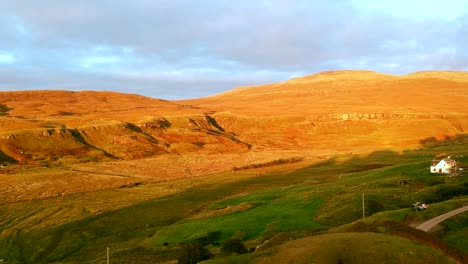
{"type": "Point", "coordinates": [363, 215]}
{"type": "Point", "coordinates": [108, 255]}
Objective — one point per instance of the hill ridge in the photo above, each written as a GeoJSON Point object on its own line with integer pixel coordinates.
{"type": "Point", "coordinates": [332, 111]}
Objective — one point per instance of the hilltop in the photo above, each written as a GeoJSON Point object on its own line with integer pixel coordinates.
{"type": "Point", "coordinates": [346, 110]}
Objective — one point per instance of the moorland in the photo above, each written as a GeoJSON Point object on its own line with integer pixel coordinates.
{"type": "Point", "coordinates": [281, 168]}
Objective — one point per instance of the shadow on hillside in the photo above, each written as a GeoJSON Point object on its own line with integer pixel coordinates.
{"type": "Point", "coordinates": [142, 220]}
{"type": "Point", "coordinates": [429, 149]}
{"type": "Point", "coordinates": [5, 159]}
{"type": "Point", "coordinates": [390, 180]}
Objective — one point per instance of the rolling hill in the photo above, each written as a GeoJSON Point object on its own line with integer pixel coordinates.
{"type": "Point", "coordinates": [284, 168]}
{"type": "Point", "coordinates": [328, 112]}
{"type": "Point", "coordinates": [83, 136]}
{"type": "Point", "coordinates": [346, 110]}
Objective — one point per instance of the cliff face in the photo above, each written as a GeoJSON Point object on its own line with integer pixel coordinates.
{"type": "Point", "coordinates": [331, 111]}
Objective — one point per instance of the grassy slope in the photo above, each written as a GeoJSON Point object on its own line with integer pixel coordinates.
{"type": "Point", "coordinates": [455, 231]}
{"type": "Point", "coordinates": [312, 199]}
{"type": "Point", "coordinates": [352, 248]}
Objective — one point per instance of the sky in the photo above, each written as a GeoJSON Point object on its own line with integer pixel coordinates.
{"type": "Point", "coordinates": [180, 49]}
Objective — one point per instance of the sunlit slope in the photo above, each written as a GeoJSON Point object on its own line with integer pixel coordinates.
{"type": "Point", "coordinates": [327, 113]}
{"type": "Point", "coordinates": [347, 92]}
{"type": "Point", "coordinates": [70, 127]}
{"type": "Point", "coordinates": [37, 109]}
{"type": "Point", "coordinates": [346, 110]}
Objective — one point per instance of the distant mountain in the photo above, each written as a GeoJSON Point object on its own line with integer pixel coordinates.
{"type": "Point", "coordinates": [328, 112]}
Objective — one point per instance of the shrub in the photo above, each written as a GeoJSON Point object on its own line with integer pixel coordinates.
{"type": "Point", "coordinates": [193, 253]}
{"type": "Point", "coordinates": [233, 245]}
{"type": "Point", "coordinates": [447, 192]}
{"type": "Point", "coordinates": [208, 238]}
{"type": "Point", "coordinates": [373, 206]}
{"type": "Point", "coordinates": [436, 182]}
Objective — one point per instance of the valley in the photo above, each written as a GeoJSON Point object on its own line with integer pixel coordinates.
{"type": "Point", "coordinates": [282, 167]}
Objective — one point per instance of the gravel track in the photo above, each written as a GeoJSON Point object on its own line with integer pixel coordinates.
{"type": "Point", "coordinates": [429, 224]}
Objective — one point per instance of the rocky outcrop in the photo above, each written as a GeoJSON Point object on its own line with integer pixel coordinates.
{"type": "Point", "coordinates": [121, 140]}
{"type": "Point", "coordinates": [361, 116]}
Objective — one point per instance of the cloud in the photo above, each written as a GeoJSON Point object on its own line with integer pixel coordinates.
{"type": "Point", "coordinates": [7, 58]}
{"type": "Point", "coordinates": [181, 48]}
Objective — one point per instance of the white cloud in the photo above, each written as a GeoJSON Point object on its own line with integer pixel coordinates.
{"type": "Point", "coordinates": [417, 9]}
{"type": "Point", "coordinates": [195, 48]}
{"type": "Point", "coordinates": [7, 58]}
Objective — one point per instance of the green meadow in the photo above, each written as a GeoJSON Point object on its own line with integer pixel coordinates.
{"type": "Point", "coordinates": [251, 206]}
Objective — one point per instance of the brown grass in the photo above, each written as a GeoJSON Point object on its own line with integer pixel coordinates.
{"type": "Point", "coordinates": [86, 141]}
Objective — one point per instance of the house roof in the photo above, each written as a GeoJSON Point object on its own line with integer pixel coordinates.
{"type": "Point", "coordinates": [449, 161]}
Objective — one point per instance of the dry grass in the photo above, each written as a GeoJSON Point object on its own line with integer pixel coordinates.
{"type": "Point", "coordinates": [29, 182]}
{"type": "Point", "coordinates": [96, 151]}
{"type": "Point", "coordinates": [328, 112]}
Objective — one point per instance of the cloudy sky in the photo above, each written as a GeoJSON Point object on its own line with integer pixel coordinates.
{"type": "Point", "coordinates": [179, 49]}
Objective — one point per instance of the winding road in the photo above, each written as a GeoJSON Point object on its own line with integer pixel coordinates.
{"type": "Point", "coordinates": [429, 224]}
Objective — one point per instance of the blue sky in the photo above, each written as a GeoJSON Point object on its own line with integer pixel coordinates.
{"type": "Point", "coordinates": [186, 49]}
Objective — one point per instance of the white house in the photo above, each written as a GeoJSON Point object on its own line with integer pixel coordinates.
{"type": "Point", "coordinates": [446, 165]}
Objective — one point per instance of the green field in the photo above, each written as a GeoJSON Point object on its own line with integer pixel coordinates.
{"type": "Point", "coordinates": [147, 223]}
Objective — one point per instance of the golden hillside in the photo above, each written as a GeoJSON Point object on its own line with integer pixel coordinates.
{"type": "Point", "coordinates": [69, 142]}
{"type": "Point", "coordinates": [346, 110]}
{"type": "Point", "coordinates": [328, 112]}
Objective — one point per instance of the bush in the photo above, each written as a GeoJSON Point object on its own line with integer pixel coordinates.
{"type": "Point", "coordinates": [233, 245]}
{"type": "Point", "coordinates": [208, 238]}
{"type": "Point", "coordinates": [193, 253]}
{"type": "Point", "coordinates": [447, 192]}
{"type": "Point", "coordinates": [373, 206]}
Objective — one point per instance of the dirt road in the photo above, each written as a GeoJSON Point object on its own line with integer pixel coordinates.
{"type": "Point", "coordinates": [428, 225]}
